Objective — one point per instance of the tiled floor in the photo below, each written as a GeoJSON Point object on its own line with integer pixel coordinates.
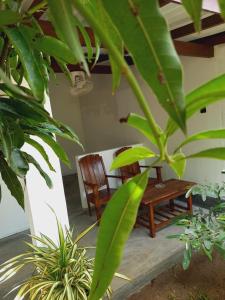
{"type": "Point", "coordinates": [143, 258]}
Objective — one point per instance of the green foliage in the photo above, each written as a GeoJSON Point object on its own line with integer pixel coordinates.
{"type": "Point", "coordinates": [205, 230]}
{"type": "Point", "coordinates": [116, 224]}
{"type": "Point", "coordinates": [142, 21]}
{"type": "Point", "coordinates": [130, 156]}
{"type": "Point", "coordinates": [25, 55]}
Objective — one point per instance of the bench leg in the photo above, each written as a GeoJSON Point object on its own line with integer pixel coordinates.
{"type": "Point", "coordinates": [189, 204]}
{"type": "Point", "coordinates": [152, 230]}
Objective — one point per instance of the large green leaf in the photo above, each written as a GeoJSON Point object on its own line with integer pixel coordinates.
{"type": "Point", "coordinates": [210, 134]}
{"type": "Point", "coordinates": [146, 36]}
{"type": "Point", "coordinates": [12, 182]}
{"type": "Point", "coordinates": [206, 94]}
{"type": "Point", "coordinates": [40, 149]}
{"type": "Point", "coordinates": [29, 60]}
{"type": "Point", "coordinates": [116, 224]}
{"type": "Point", "coordinates": [194, 8]}
{"type": "Point", "coordinates": [141, 124]}
{"type": "Point", "coordinates": [8, 17]}
{"type": "Point", "coordinates": [61, 13]}
{"type": "Point", "coordinates": [215, 153]}
{"type": "Point", "coordinates": [178, 164]}
{"type": "Point", "coordinates": [130, 156]}
{"type": "Point", "coordinates": [31, 160]}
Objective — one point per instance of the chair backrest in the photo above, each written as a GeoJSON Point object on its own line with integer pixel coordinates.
{"type": "Point", "coordinates": [129, 170]}
{"type": "Point", "coordinates": [93, 171]}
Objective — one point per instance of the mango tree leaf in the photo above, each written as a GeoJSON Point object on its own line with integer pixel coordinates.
{"type": "Point", "coordinates": [210, 134]}
{"type": "Point", "coordinates": [179, 164]}
{"type": "Point", "coordinates": [142, 125]}
{"type": "Point", "coordinates": [215, 153]}
{"type": "Point", "coordinates": [206, 94]}
{"type": "Point", "coordinates": [146, 36]}
{"type": "Point", "coordinates": [12, 182]}
{"type": "Point", "coordinates": [31, 160]}
{"type": "Point", "coordinates": [41, 150]}
{"type": "Point", "coordinates": [31, 64]}
{"type": "Point", "coordinates": [57, 149]}
{"type": "Point", "coordinates": [130, 156]}
{"type": "Point", "coordinates": [116, 224]}
{"type": "Point", "coordinates": [194, 8]}
{"type": "Point", "coordinates": [222, 7]}
{"type": "Point", "coordinates": [17, 163]}
{"type": "Point", "coordinates": [8, 17]}
{"type": "Point", "coordinates": [61, 14]}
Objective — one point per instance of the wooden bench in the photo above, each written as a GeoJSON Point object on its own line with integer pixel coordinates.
{"type": "Point", "coordinates": [158, 206]}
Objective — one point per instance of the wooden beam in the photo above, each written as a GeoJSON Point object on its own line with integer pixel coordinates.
{"type": "Point", "coordinates": [212, 40]}
{"type": "Point", "coordinates": [97, 69]}
{"type": "Point", "coordinates": [194, 49]}
{"type": "Point", "coordinates": [163, 2]}
{"type": "Point", "coordinates": [183, 48]}
{"type": "Point", "coordinates": [207, 22]}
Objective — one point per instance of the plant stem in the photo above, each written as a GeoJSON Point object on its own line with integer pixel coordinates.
{"type": "Point", "coordinates": [4, 52]}
{"type": "Point", "coordinates": [125, 69]}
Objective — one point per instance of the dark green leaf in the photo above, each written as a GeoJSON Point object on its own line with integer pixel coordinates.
{"type": "Point", "coordinates": [187, 258]}
{"type": "Point", "coordinates": [178, 164]}
{"type": "Point", "coordinates": [215, 153]}
{"type": "Point", "coordinates": [8, 17]}
{"type": "Point", "coordinates": [116, 224]}
{"type": "Point", "coordinates": [210, 134]}
{"type": "Point", "coordinates": [31, 160]}
{"type": "Point", "coordinates": [194, 8]}
{"type": "Point", "coordinates": [52, 46]}
{"type": "Point", "coordinates": [17, 163]}
{"type": "Point", "coordinates": [130, 156]}
{"type": "Point", "coordinates": [41, 150]}
{"type": "Point", "coordinates": [61, 13]}
{"type": "Point", "coordinates": [146, 36]}
{"type": "Point", "coordinates": [29, 60]}
{"type": "Point", "coordinates": [12, 182]}
{"type": "Point", "coordinates": [206, 94]}
{"type": "Point", "coordinates": [58, 150]}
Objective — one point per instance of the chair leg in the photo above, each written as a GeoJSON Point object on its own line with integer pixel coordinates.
{"type": "Point", "coordinates": [98, 212]}
{"type": "Point", "coordinates": [89, 208]}
{"type": "Point", "coordinates": [189, 204]}
{"type": "Point", "coordinates": [152, 230]}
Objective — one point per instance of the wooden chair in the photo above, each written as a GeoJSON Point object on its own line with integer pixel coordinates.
{"type": "Point", "coordinates": [96, 184]}
{"type": "Point", "coordinates": [135, 169]}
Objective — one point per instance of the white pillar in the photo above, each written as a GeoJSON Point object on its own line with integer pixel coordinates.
{"type": "Point", "coordinates": [39, 198]}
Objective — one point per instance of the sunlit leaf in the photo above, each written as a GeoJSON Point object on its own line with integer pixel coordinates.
{"type": "Point", "coordinates": [210, 134]}
{"type": "Point", "coordinates": [116, 224]}
{"type": "Point", "coordinates": [130, 156]}
{"type": "Point", "coordinates": [141, 124]}
{"type": "Point", "coordinates": [146, 36]}
{"type": "Point", "coordinates": [206, 94]}
{"type": "Point", "coordinates": [215, 153]}
{"type": "Point", "coordinates": [178, 164]}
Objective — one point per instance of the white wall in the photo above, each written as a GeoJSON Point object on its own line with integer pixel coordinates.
{"type": "Point", "coordinates": [12, 216]}
{"type": "Point", "coordinates": [66, 108]}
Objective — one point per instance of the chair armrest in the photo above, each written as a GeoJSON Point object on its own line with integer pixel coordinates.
{"type": "Point", "coordinates": [117, 177]}
{"type": "Point", "coordinates": [158, 171]}
{"type": "Point", "coordinates": [94, 188]}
